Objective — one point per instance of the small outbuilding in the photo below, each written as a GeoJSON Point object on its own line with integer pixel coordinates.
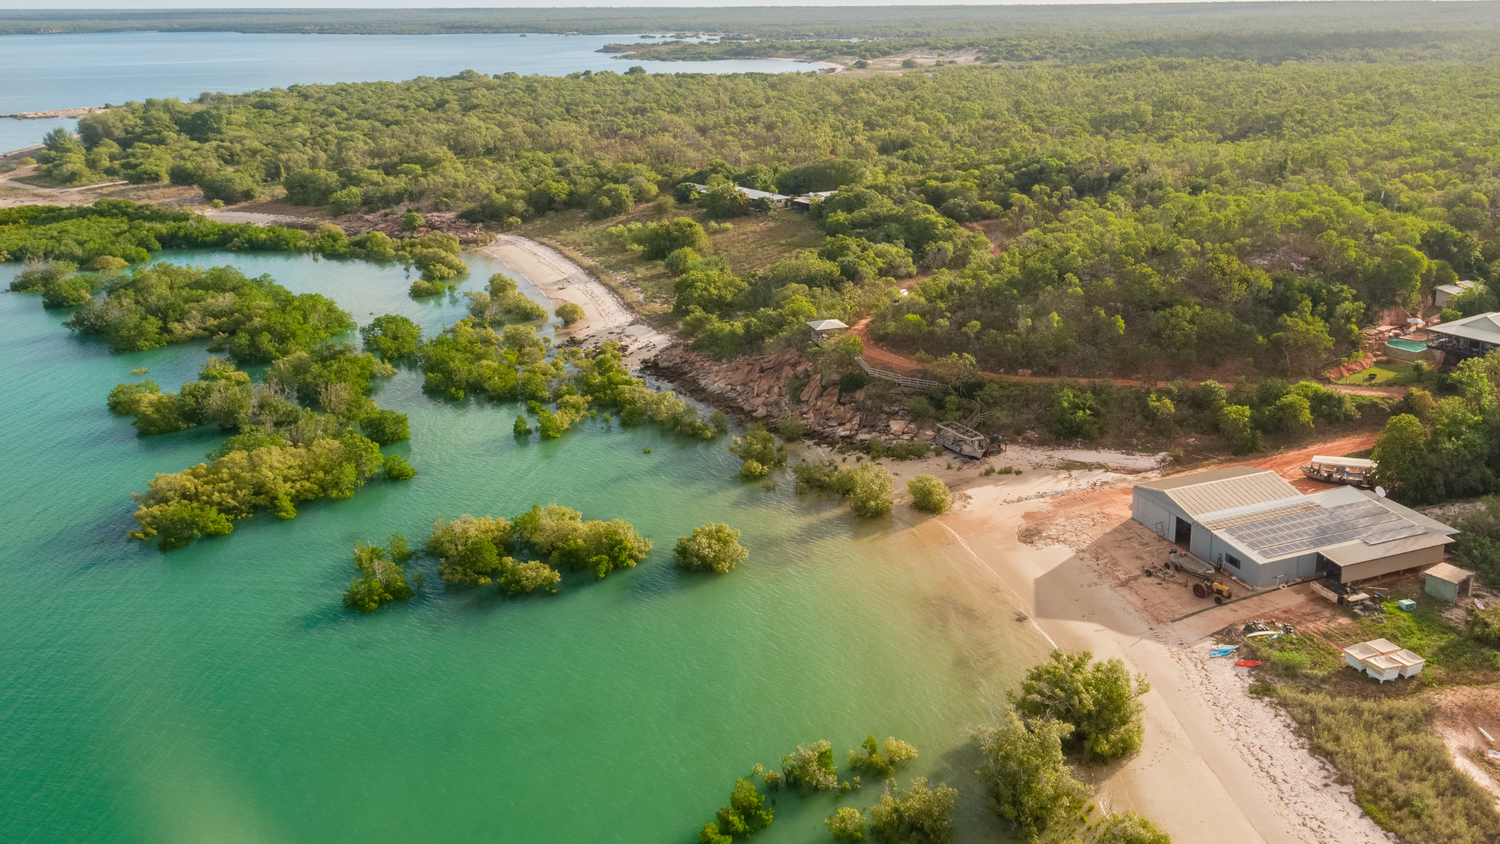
{"type": "Point", "coordinates": [1443, 292]}
{"type": "Point", "coordinates": [1449, 582]}
{"type": "Point", "coordinates": [824, 330]}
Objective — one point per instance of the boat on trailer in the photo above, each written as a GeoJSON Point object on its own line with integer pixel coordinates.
{"type": "Point", "coordinates": [1354, 471]}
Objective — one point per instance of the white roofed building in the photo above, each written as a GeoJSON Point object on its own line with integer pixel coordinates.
{"type": "Point", "coordinates": [1469, 337]}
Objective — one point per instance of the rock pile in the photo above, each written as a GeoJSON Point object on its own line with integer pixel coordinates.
{"type": "Point", "coordinates": [758, 386]}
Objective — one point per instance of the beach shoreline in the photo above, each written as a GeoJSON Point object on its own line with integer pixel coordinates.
{"type": "Point", "coordinates": [1217, 764]}
{"type": "Point", "coordinates": [605, 315]}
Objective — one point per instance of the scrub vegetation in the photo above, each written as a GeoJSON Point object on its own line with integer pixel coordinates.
{"type": "Point", "coordinates": [1148, 223]}
{"type": "Point", "coordinates": [714, 547]}
{"type": "Point", "coordinates": [867, 487]}
{"type": "Point", "coordinates": [381, 578]}
{"type": "Point", "coordinates": [100, 236]}
{"type": "Point", "coordinates": [919, 814]}
{"type": "Point", "coordinates": [477, 551]}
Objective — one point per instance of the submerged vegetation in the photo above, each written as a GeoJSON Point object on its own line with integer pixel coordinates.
{"type": "Point", "coordinates": [381, 578]}
{"type": "Point", "coordinates": [254, 320]}
{"type": "Point", "coordinates": [475, 551]}
{"type": "Point", "coordinates": [714, 547]}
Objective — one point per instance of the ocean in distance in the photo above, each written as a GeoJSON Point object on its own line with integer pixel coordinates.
{"type": "Point", "coordinates": [221, 693]}
{"type": "Point", "coordinates": [48, 72]}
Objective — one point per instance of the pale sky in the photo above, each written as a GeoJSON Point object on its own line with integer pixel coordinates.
{"type": "Point", "coordinates": [208, 5]}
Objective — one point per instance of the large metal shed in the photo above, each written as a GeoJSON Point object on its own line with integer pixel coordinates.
{"type": "Point", "coordinates": [1253, 524]}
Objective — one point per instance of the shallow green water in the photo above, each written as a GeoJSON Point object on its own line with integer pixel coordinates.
{"type": "Point", "coordinates": [220, 693]}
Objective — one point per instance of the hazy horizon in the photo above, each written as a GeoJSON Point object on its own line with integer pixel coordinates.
{"type": "Point", "coordinates": [232, 5]}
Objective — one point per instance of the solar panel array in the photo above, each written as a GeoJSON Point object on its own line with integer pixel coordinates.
{"type": "Point", "coordinates": [1289, 534]}
{"type": "Point", "coordinates": [1394, 534]}
{"type": "Point", "coordinates": [1261, 515]}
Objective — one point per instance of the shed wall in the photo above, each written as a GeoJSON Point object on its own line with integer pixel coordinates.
{"type": "Point", "coordinates": [1151, 508]}
{"type": "Point", "coordinates": [1395, 562]}
{"type": "Point", "coordinates": [1439, 588]}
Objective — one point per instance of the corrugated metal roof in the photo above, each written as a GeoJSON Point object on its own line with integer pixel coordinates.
{"type": "Point", "coordinates": [1223, 489]}
{"type": "Point", "coordinates": [1355, 552]}
{"type": "Point", "coordinates": [1482, 327]}
{"type": "Point", "coordinates": [1449, 573]}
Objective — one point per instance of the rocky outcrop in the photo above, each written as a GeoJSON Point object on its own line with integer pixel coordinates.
{"type": "Point", "coordinates": [757, 387]}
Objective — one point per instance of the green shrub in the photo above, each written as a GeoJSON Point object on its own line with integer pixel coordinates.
{"type": "Point", "coordinates": [759, 451]}
{"type": "Point", "coordinates": [385, 427]}
{"type": "Point", "coordinates": [712, 547]}
{"type": "Point", "coordinates": [380, 580]}
{"type": "Point", "coordinates": [411, 221]}
{"type": "Point", "coordinates": [1100, 703]}
{"type": "Point", "coordinates": [1131, 828]}
{"type": "Point", "coordinates": [917, 815]}
{"type": "Point", "coordinates": [868, 489]}
{"type": "Point", "coordinates": [397, 469]}
{"type": "Point", "coordinates": [1028, 779]}
{"type": "Point", "coordinates": [569, 313]}
{"type": "Point", "coordinates": [929, 494]}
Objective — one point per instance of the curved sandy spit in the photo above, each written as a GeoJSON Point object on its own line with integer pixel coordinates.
{"type": "Point", "coordinates": [605, 317]}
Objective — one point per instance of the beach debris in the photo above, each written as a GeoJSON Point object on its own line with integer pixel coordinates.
{"type": "Point", "coordinates": [1022, 617]}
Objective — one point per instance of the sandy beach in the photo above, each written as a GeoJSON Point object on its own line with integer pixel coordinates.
{"type": "Point", "coordinates": [1218, 764]}
{"type": "Point", "coordinates": [605, 317]}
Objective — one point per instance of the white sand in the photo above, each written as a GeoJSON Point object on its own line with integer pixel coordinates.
{"type": "Point", "coordinates": [1217, 764]}
{"type": "Point", "coordinates": [561, 280]}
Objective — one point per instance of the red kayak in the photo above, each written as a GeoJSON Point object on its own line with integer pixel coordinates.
{"type": "Point", "coordinates": [1248, 663]}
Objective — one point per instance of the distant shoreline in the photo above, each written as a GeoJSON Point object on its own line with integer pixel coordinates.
{"type": "Point", "coordinates": [56, 113]}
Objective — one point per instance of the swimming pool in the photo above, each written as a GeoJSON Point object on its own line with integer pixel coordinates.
{"type": "Point", "coordinates": [1407, 345]}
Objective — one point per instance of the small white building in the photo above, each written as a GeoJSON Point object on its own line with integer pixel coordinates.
{"type": "Point", "coordinates": [1443, 292]}
{"type": "Point", "coordinates": [824, 330]}
{"type": "Point", "coordinates": [775, 200]}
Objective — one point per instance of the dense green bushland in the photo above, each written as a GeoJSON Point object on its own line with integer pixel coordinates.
{"type": "Point", "coordinates": [111, 231]}
{"type": "Point", "coordinates": [1269, 46]}
{"type": "Point", "coordinates": [255, 320]}
{"type": "Point", "coordinates": [1438, 448]}
{"type": "Point", "coordinates": [1155, 216]}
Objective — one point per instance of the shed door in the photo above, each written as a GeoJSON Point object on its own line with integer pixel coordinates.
{"type": "Point", "coordinates": [1184, 533]}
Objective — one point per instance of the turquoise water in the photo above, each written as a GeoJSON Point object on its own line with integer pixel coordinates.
{"type": "Point", "coordinates": [46, 72]}
{"type": "Point", "coordinates": [1407, 345]}
{"type": "Point", "coordinates": [220, 693]}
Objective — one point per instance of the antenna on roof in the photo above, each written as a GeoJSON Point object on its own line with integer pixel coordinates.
{"type": "Point", "coordinates": [1380, 491]}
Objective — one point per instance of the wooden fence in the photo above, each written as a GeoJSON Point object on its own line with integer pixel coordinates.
{"type": "Point", "coordinates": [903, 380]}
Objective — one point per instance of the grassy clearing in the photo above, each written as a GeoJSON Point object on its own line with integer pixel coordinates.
{"type": "Point", "coordinates": [758, 241]}
{"type": "Point", "coordinates": [1452, 657]}
{"type": "Point", "coordinates": [1313, 664]}
{"type": "Point", "coordinates": [755, 242]}
{"type": "Point", "coordinates": [1402, 776]}
{"type": "Point", "coordinates": [1389, 374]}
